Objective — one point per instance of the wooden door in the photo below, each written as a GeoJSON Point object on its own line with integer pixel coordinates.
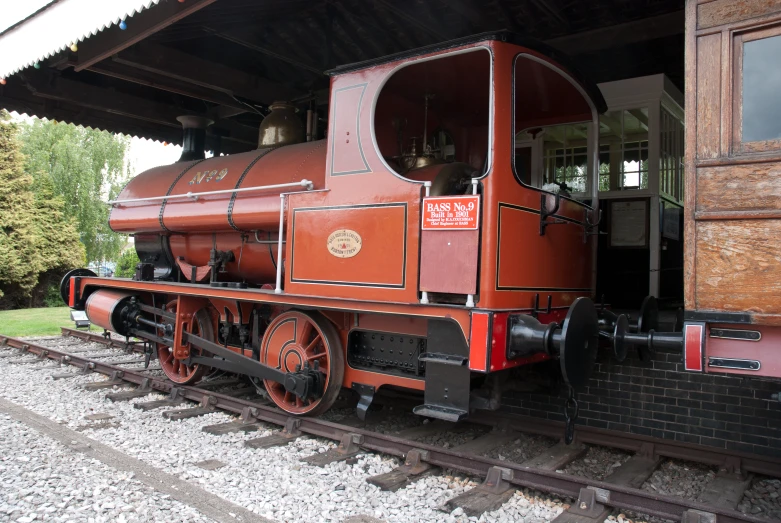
{"type": "Point", "coordinates": [733, 150]}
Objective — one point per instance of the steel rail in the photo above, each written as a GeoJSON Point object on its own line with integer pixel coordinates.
{"type": "Point", "coordinates": [766, 465]}
{"type": "Point", "coordinates": [99, 338]}
{"type": "Point", "coordinates": [620, 497]}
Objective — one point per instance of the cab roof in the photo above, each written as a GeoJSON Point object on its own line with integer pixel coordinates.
{"type": "Point", "coordinates": [591, 88]}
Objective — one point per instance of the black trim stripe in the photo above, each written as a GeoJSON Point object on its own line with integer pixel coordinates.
{"type": "Point", "coordinates": [176, 180]}
{"type": "Point", "coordinates": [498, 252]}
{"type": "Point", "coordinates": [719, 316]}
{"type": "Point", "coordinates": [263, 153]}
{"type": "Point", "coordinates": [403, 284]}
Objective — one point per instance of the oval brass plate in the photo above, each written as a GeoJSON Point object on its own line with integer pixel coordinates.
{"type": "Point", "coordinates": [344, 243]}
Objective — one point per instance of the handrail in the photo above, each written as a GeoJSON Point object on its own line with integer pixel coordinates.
{"type": "Point", "coordinates": [303, 183]}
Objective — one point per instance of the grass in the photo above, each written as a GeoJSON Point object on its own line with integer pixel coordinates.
{"type": "Point", "coordinates": [34, 322]}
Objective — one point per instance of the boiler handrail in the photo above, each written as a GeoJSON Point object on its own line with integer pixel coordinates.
{"type": "Point", "coordinates": [303, 183]}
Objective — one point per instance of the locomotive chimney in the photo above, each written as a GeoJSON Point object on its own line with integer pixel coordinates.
{"type": "Point", "coordinates": [194, 139]}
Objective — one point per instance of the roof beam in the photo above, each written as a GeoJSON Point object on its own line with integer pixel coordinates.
{"type": "Point", "coordinates": [548, 7]}
{"type": "Point", "coordinates": [660, 26]}
{"type": "Point", "coordinates": [507, 14]}
{"type": "Point", "coordinates": [136, 76]}
{"type": "Point", "coordinates": [251, 42]}
{"type": "Point", "coordinates": [347, 17]}
{"type": "Point", "coordinates": [370, 19]}
{"type": "Point", "coordinates": [349, 32]}
{"type": "Point", "coordinates": [470, 16]}
{"type": "Point", "coordinates": [149, 21]}
{"type": "Point", "coordinates": [129, 106]}
{"type": "Point", "coordinates": [401, 13]}
{"type": "Point", "coordinates": [641, 117]}
{"type": "Point", "coordinates": [168, 62]}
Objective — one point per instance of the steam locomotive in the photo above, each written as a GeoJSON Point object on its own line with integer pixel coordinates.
{"type": "Point", "coordinates": [410, 249]}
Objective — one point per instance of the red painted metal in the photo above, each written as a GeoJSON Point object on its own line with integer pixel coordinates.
{"type": "Point", "coordinates": [693, 347]}
{"type": "Point", "coordinates": [499, 359]}
{"type": "Point", "coordinates": [765, 350]}
{"type": "Point", "coordinates": [445, 253]}
{"type": "Point", "coordinates": [478, 341]}
{"type": "Point", "coordinates": [72, 293]}
{"type": "Point", "coordinates": [100, 307]}
{"type": "Point", "coordinates": [250, 211]}
{"type": "Point", "coordinates": [505, 263]}
{"type": "Point", "coordinates": [191, 317]}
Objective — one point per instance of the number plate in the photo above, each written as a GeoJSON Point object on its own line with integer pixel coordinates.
{"type": "Point", "coordinates": [451, 213]}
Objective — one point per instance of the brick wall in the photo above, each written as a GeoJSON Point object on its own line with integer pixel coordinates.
{"type": "Point", "coordinates": [660, 399]}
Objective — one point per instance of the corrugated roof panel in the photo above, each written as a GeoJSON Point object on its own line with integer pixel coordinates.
{"type": "Point", "coordinates": [60, 25]}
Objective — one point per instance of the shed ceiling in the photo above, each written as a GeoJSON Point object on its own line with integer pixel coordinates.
{"type": "Point", "coordinates": [229, 59]}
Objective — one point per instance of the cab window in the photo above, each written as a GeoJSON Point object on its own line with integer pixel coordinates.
{"type": "Point", "coordinates": [553, 122]}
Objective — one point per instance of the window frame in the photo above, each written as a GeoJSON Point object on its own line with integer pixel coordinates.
{"type": "Point", "coordinates": [567, 147]}
{"type": "Point", "coordinates": [428, 58]}
{"type": "Point", "coordinates": [677, 140]}
{"type": "Point", "coordinates": [739, 39]}
{"type": "Point", "coordinates": [593, 135]}
{"type": "Point", "coordinates": [620, 188]}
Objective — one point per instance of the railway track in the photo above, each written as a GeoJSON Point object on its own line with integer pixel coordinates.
{"type": "Point", "coordinates": [595, 499]}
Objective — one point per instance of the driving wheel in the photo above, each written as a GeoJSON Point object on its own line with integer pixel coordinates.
{"type": "Point", "coordinates": [176, 370]}
{"type": "Point", "coordinates": [292, 339]}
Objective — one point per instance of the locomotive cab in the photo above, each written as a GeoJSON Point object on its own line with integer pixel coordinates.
{"type": "Point", "coordinates": [443, 232]}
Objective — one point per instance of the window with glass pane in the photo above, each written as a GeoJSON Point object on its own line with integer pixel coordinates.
{"type": "Point", "coordinates": [671, 155]}
{"type": "Point", "coordinates": [565, 155]}
{"type": "Point", "coordinates": [761, 82]}
{"type": "Point", "coordinates": [623, 152]}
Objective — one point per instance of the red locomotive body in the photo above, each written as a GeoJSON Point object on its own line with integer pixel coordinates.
{"type": "Point", "coordinates": [377, 258]}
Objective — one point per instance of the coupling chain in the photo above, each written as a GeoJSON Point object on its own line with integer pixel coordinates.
{"type": "Point", "coordinates": [570, 415]}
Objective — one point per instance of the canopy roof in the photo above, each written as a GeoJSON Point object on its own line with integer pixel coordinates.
{"type": "Point", "coordinates": [57, 25]}
{"type": "Point", "coordinates": [229, 59]}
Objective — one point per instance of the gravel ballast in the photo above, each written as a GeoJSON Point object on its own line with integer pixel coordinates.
{"type": "Point", "coordinates": [37, 473]}
{"type": "Point", "coordinates": [273, 482]}
{"type": "Point", "coordinates": [41, 479]}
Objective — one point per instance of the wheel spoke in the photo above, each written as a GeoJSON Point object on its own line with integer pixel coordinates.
{"type": "Point", "coordinates": [313, 344]}
{"type": "Point", "coordinates": [312, 341]}
{"type": "Point", "coordinates": [304, 331]}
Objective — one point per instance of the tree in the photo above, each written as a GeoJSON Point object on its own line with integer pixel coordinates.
{"type": "Point", "coordinates": [57, 236]}
{"type": "Point", "coordinates": [126, 266]}
{"type": "Point", "coordinates": [35, 235]}
{"type": "Point", "coordinates": [19, 264]}
{"type": "Point", "coordinates": [86, 167]}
